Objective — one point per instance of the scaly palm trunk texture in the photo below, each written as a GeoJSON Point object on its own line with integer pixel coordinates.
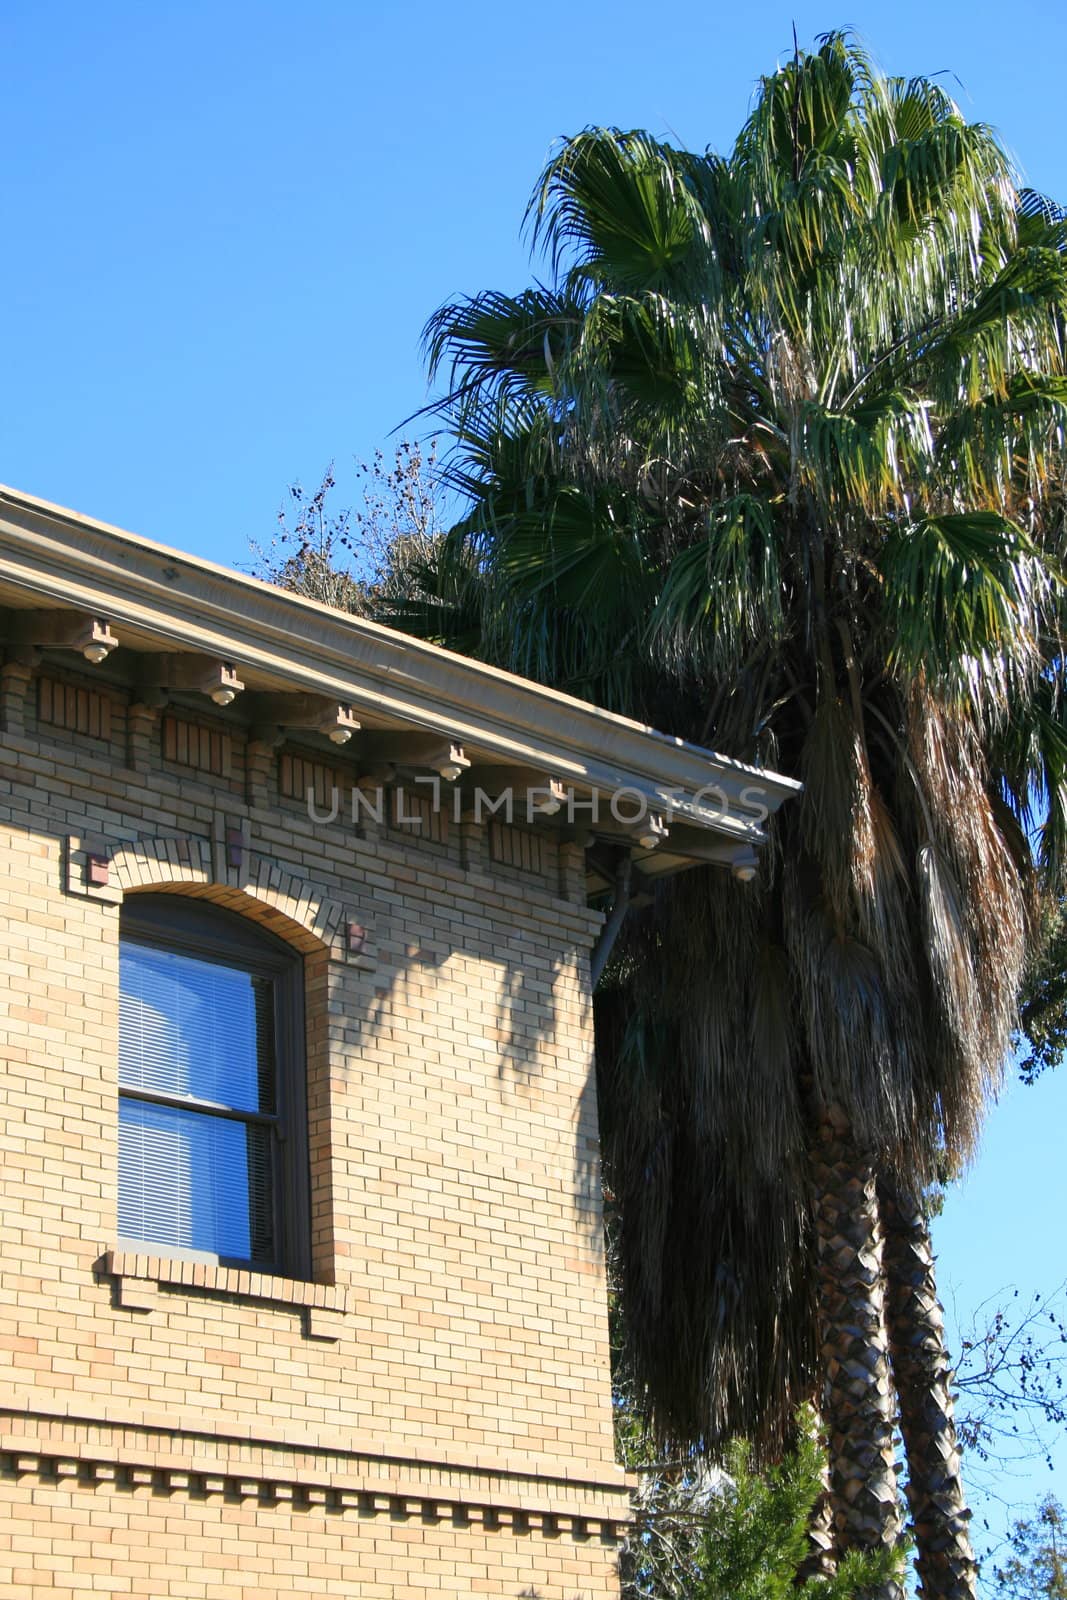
{"type": "Point", "coordinates": [921, 1372]}
{"type": "Point", "coordinates": [821, 1559]}
{"type": "Point", "coordinates": [858, 1400]}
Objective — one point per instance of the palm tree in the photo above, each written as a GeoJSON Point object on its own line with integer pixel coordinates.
{"type": "Point", "coordinates": [774, 460]}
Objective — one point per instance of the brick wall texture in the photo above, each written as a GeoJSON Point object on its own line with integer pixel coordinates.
{"type": "Point", "coordinates": [431, 1414]}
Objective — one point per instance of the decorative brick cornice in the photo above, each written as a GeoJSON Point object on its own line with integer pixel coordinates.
{"type": "Point", "coordinates": [95, 1454]}
{"type": "Point", "coordinates": [269, 1494]}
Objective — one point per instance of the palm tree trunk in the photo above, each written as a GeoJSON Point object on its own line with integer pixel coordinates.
{"type": "Point", "coordinates": [936, 1500]}
{"type": "Point", "coordinates": [858, 1400]}
{"type": "Point", "coordinates": [820, 1561]}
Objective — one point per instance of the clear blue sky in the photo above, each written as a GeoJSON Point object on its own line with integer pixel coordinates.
{"type": "Point", "coordinates": [226, 224]}
{"type": "Point", "coordinates": [1002, 1229]}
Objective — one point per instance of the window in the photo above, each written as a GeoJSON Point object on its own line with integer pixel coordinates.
{"type": "Point", "coordinates": [212, 1119]}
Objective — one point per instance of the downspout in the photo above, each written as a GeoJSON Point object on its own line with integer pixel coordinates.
{"type": "Point", "coordinates": [605, 943]}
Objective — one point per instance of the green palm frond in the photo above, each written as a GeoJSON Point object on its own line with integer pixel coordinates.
{"type": "Point", "coordinates": [517, 342]}
{"type": "Point", "coordinates": [575, 548]}
{"type": "Point", "coordinates": [948, 159]}
{"type": "Point", "coordinates": [863, 458]}
{"type": "Point", "coordinates": [1040, 220]}
{"type": "Point", "coordinates": [964, 596]}
{"type": "Point", "coordinates": [621, 207]}
{"type": "Point", "coordinates": [803, 111]}
{"type": "Point", "coordinates": [723, 594]}
{"type": "Point", "coordinates": [1033, 760]}
{"type": "Point", "coordinates": [1008, 327]}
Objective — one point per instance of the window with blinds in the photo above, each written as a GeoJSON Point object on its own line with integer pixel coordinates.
{"type": "Point", "coordinates": [207, 1109]}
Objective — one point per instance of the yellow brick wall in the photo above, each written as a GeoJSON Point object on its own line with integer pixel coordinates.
{"type": "Point", "coordinates": [432, 1415]}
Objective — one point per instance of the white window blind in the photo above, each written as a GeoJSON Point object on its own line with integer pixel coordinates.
{"type": "Point", "coordinates": [198, 1104]}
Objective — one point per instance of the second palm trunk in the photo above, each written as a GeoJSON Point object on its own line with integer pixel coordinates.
{"type": "Point", "coordinates": [858, 1400]}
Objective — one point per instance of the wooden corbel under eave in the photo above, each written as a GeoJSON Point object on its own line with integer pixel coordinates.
{"type": "Point", "coordinates": [536, 793]}
{"type": "Point", "coordinates": [435, 752]}
{"type": "Point", "coordinates": [91, 636]}
{"type": "Point", "coordinates": [218, 680]}
{"type": "Point", "coordinates": [311, 711]}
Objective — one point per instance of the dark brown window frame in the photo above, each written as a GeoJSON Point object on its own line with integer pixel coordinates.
{"type": "Point", "coordinates": [197, 927]}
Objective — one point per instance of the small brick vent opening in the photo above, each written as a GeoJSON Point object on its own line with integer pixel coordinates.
{"type": "Point", "coordinates": [520, 848]}
{"type": "Point", "coordinates": [414, 812]}
{"type": "Point", "coordinates": [299, 776]}
{"type": "Point", "coordinates": [70, 706]}
{"type": "Point", "coordinates": [194, 744]}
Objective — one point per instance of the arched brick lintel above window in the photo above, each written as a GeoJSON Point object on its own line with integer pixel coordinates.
{"type": "Point", "coordinates": [228, 872]}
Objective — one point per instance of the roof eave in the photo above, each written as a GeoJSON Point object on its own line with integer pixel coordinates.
{"type": "Point", "coordinates": [57, 557]}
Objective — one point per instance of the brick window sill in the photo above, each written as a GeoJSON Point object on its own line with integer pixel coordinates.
{"type": "Point", "coordinates": [143, 1283]}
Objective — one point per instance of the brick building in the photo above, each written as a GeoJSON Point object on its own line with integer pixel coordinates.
{"type": "Point", "coordinates": [301, 1288]}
